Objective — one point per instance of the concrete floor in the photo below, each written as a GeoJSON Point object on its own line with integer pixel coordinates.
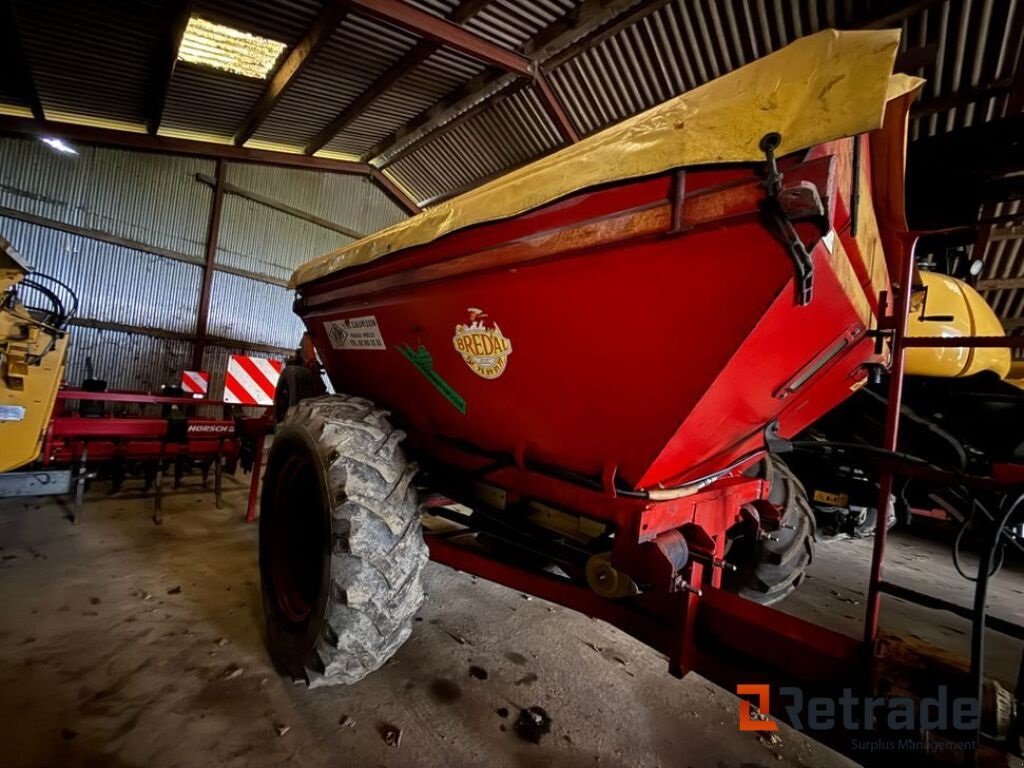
{"type": "Point", "coordinates": [127, 644]}
{"type": "Point", "coordinates": [836, 588]}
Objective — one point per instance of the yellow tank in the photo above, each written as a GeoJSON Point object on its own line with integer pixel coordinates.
{"type": "Point", "coordinates": [944, 297]}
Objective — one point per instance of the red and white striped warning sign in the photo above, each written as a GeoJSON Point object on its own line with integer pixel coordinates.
{"type": "Point", "coordinates": [251, 380]}
{"type": "Point", "coordinates": [195, 383]}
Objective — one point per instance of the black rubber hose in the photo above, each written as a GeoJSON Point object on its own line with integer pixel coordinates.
{"type": "Point", "coordinates": [828, 445]}
{"type": "Point", "coordinates": [980, 613]}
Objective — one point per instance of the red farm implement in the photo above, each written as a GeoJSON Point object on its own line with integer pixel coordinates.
{"type": "Point", "coordinates": [118, 434]}
{"type": "Point", "coordinates": [595, 362]}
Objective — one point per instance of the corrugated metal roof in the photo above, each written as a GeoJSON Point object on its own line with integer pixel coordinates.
{"type": "Point", "coordinates": [507, 133]}
{"type": "Point", "coordinates": [451, 122]}
{"type": "Point", "coordinates": [431, 81]}
{"type": "Point", "coordinates": [357, 53]}
{"type": "Point", "coordinates": [973, 47]}
{"type": "Point", "coordinates": [92, 60]}
{"type": "Point", "coordinates": [676, 48]}
{"type": "Point", "coordinates": [512, 22]}
{"type": "Point", "coordinates": [437, 7]}
{"type": "Point", "coordinates": [209, 103]}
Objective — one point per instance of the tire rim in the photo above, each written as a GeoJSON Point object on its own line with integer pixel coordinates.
{"type": "Point", "coordinates": [297, 539]}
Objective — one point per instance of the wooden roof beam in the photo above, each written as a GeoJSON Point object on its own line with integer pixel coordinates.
{"type": "Point", "coordinates": [416, 56]}
{"type": "Point", "coordinates": [394, 191]}
{"type": "Point", "coordinates": [406, 64]}
{"type": "Point", "coordinates": [443, 32]}
{"type": "Point", "coordinates": [589, 16]}
{"type": "Point", "coordinates": [143, 142]}
{"type": "Point", "coordinates": [896, 17]}
{"type": "Point", "coordinates": [319, 32]}
{"type": "Point", "coordinates": [177, 19]}
{"type": "Point", "coordinates": [22, 75]}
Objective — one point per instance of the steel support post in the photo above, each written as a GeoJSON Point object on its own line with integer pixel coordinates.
{"type": "Point", "coordinates": [901, 311]}
{"type": "Point", "coordinates": [205, 291]}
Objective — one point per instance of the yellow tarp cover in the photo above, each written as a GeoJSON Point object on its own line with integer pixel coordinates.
{"type": "Point", "coordinates": [819, 88]}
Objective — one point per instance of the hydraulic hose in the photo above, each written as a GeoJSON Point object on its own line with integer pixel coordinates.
{"type": "Point", "coordinates": [980, 612]}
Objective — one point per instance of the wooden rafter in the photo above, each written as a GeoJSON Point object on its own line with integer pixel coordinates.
{"type": "Point", "coordinates": [998, 284]}
{"type": "Point", "coordinates": [143, 142]}
{"type": "Point", "coordinates": [419, 53]}
{"type": "Point", "coordinates": [553, 106]}
{"type": "Point", "coordinates": [319, 32]}
{"type": "Point", "coordinates": [416, 56]}
{"type": "Point", "coordinates": [455, 103]}
{"type": "Point", "coordinates": [895, 17]}
{"type": "Point", "coordinates": [22, 74]}
{"type": "Point", "coordinates": [167, 58]}
{"type": "Point", "coordinates": [960, 98]}
{"type": "Point", "coordinates": [589, 17]}
{"type": "Point", "coordinates": [602, 32]}
{"type": "Point", "coordinates": [443, 32]}
{"type": "Point", "coordinates": [394, 190]}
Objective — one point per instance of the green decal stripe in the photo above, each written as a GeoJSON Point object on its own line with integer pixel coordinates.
{"type": "Point", "coordinates": [424, 363]}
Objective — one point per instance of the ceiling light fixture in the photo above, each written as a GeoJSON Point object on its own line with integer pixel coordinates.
{"type": "Point", "coordinates": [228, 49]}
{"type": "Point", "coordinates": [59, 145]}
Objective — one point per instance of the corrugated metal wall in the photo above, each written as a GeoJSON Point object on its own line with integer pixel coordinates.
{"type": "Point", "coordinates": [127, 231]}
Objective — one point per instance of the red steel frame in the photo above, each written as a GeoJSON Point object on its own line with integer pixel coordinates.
{"type": "Point", "coordinates": [72, 439]}
{"type": "Point", "coordinates": [706, 629]}
{"type": "Point", "coordinates": [1003, 475]}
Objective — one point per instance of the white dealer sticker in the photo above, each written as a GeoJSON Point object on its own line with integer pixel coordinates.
{"type": "Point", "coordinates": [355, 333]}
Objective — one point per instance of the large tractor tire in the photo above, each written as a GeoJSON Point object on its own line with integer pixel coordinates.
{"type": "Point", "coordinates": [768, 570]}
{"type": "Point", "coordinates": [341, 549]}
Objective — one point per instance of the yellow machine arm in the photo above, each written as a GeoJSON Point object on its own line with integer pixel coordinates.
{"type": "Point", "coordinates": [33, 351]}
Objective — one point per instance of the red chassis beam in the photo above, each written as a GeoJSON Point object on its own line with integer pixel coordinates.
{"type": "Point", "coordinates": [729, 639]}
{"type": "Point", "coordinates": [139, 398]}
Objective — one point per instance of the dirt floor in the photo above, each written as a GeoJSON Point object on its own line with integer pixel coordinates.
{"type": "Point", "coordinates": [127, 644]}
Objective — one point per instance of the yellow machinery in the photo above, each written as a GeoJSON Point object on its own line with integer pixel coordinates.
{"type": "Point", "coordinates": [33, 351]}
{"type": "Point", "coordinates": [961, 409]}
{"type": "Point", "coordinates": [949, 307]}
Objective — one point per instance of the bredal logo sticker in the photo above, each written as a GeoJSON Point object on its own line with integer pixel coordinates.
{"type": "Point", "coordinates": [355, 333]}
{"type": "Point", "coordinates": [483, 346]}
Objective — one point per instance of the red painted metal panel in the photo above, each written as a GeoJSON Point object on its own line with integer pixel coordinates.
{"type": "Point", "coordinates": [661, 354]}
